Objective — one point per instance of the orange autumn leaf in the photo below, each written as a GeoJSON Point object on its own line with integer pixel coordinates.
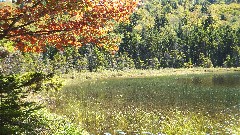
{"type": "Point", "coordinates": [58, 22]}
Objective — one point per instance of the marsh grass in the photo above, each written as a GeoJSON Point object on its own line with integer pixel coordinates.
{"type": "Point", "coordinates": [169, 101]}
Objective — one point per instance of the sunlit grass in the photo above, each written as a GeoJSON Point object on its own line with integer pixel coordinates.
{"type": "Point", "coordinates": [138, 101]}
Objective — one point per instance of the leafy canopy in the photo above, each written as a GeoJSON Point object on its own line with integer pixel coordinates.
{"type": "Point", "coordinates": [33, 24]}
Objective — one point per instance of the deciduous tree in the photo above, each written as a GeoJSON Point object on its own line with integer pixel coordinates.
{"type": "Point", "coordinates": [33, 24]}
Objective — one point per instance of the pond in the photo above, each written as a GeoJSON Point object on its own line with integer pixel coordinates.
{"type": "Point", "coordinates": [186, 104]}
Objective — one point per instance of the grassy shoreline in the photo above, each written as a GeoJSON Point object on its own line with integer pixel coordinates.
{"type": "Point", "coordinates": [135, 73]}
{"type": "Point", "coordinates": [128, 100]}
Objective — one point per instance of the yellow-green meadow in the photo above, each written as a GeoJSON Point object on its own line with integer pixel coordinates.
{"type": "Point", "coordinates": [167, 101]}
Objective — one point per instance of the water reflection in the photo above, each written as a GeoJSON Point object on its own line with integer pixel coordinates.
{"type": "Point", "coordinates": [228, 80]}
{"type": "Point", "coordinates": [148, 103]}
{"type": "Point", "coordinates": [210, 93]}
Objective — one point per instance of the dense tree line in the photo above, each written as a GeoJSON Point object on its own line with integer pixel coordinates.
{"type": "Point", "coordinates": [183, 34]}
{"type": "Point", "coordinates": [167, 33]}
{"type": "Point", "coordinates": [160, 34]}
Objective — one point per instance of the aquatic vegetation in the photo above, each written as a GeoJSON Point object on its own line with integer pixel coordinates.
{"type": "Point", "coordinates": [176, 104]}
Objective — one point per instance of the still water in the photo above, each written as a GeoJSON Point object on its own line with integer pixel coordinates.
{"type": "Point", "coordinates": [195, 104]}
{"type": "Point", "coordinates": [214, 91]}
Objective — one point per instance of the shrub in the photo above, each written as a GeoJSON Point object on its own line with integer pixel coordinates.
{"type": "Point", "coordinates": [228, 62]}
{"type": "Point", "coordinates": [15, 109]}
{"type": "Point", "coordinates": [205, 61]}
{"type": "Point", "coordinates": [21, 76]}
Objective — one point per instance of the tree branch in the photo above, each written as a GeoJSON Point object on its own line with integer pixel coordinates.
{"type": "Point", "coordinates": [39, 33]}
{"type": "Point", "coordinates": [5, 32]}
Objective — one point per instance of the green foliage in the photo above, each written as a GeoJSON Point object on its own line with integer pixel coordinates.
{"type": "Point", "coordinates": [228, 62]}
{"type": "Point", "coordinates": [21, 77]}
{"type": "Point", "coordinates": [124, 62]}
{"type": "Point", "coordinates": [81, 64]}
{"type": "Point", "coordinates": [176, 32]}
{"type": "Point", "coordinates": [7, 45]}
{"type": "Point", "coordinates": [139, 63]}
{"type": "Point", "coordinates": [155, 63]}
{"type": "Point", "coordinates": [89, 57]}
{"type": "Point", "coordinates": [188, 64]}
{"type": "Point", "coordinates": [15, 109]}
{"type": "Point", "coordinates": [204, 61]}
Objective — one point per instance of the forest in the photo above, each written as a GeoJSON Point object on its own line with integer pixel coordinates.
{"type": "Point", "coordinates": [52, 50]}
{"type": "Point", "coordinates": [161, 34]}
{"type": "Point", "coordinates": [171, 34]}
